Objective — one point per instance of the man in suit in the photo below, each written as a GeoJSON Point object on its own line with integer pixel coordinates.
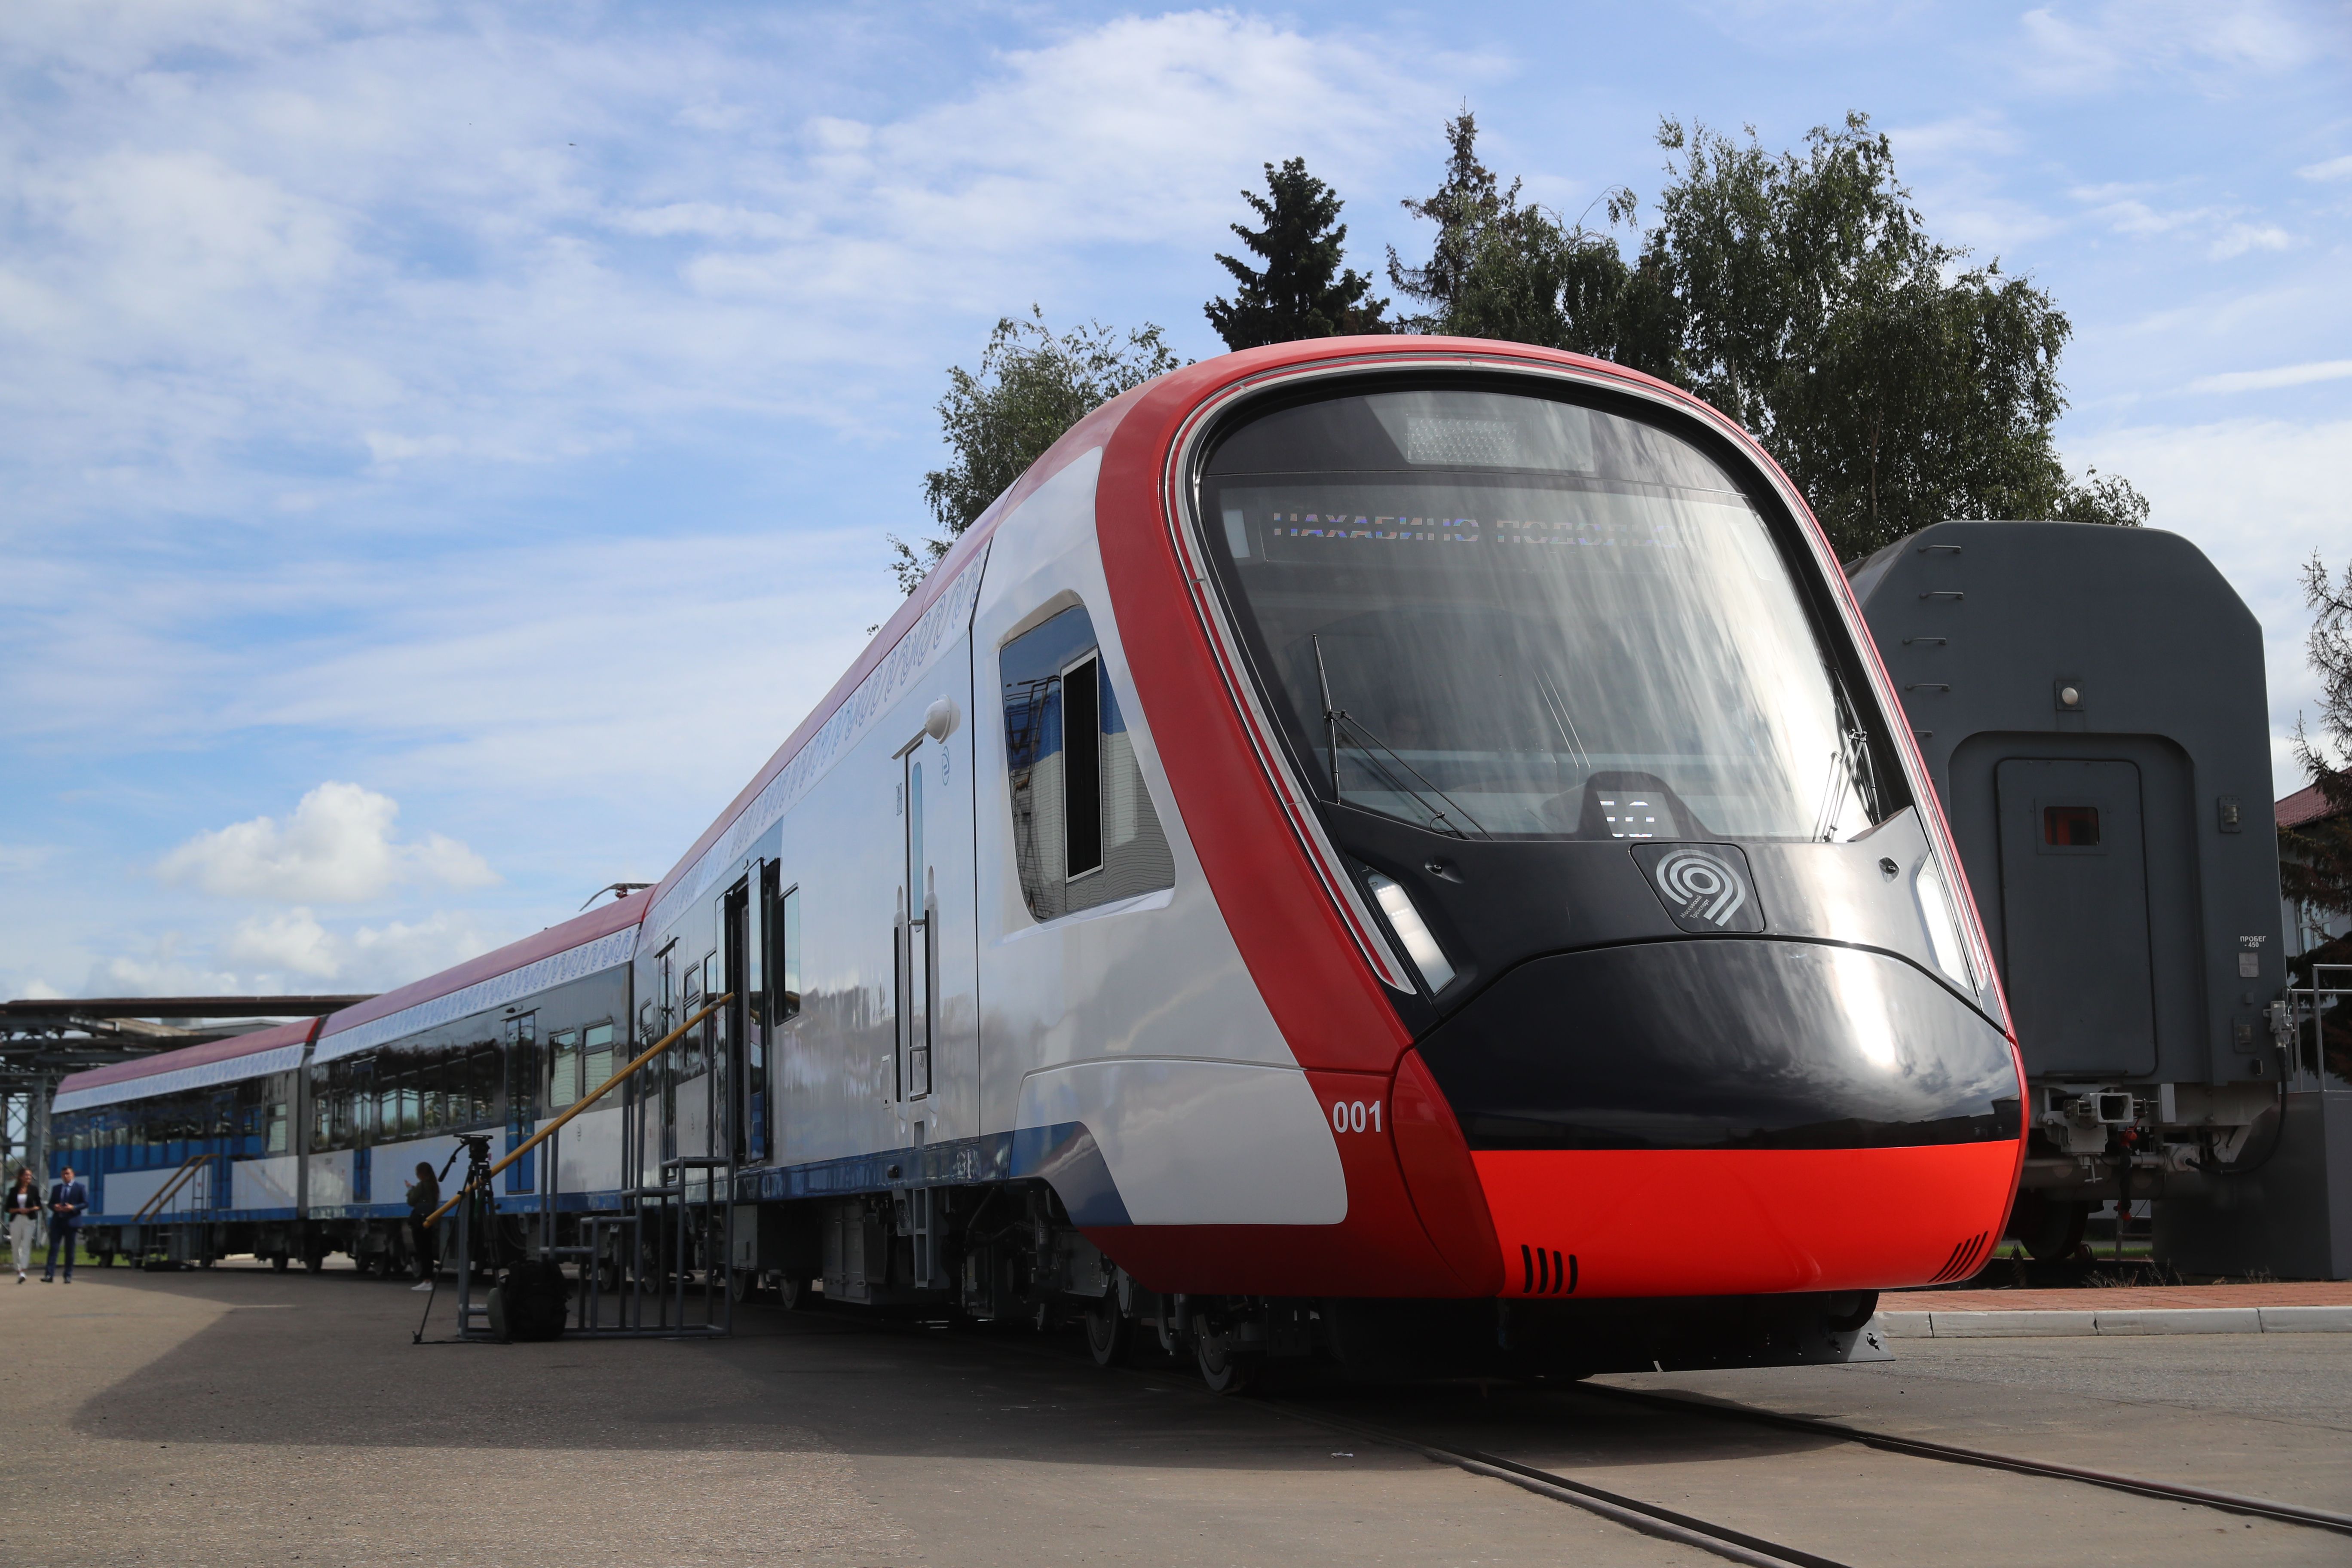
{"type": "Point", "coordinates": [69, 1200]}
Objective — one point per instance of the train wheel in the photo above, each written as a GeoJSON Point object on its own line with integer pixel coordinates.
{"type": "Point", "coordinates": [1110, 1333]}
{"type": "Point", "coordinates": [794, 1292]}
{"type": "Point", "coordinates": [741, 1283]}
{"type": "Point", "coordinates": [277, 1263]}
{"type": "Point", "coordinates": [314, 1262]}
{"type": "Point", "coordinates": [2049, 1228]}
{"type": "Point", "coordinates": [1223, 1372]}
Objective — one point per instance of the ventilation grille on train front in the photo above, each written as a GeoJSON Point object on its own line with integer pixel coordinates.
{"type": "Point", "coordinates": [1966, 1255]}
{"type": "Point", "coordinates": [1548, 1273]}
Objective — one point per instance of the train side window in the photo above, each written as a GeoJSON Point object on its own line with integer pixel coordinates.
{"type": "Point", "coordinates": [1082, 845]}
{"type": "Point", "coordinates": [1084, 832]}
{"type": "Point", "coordinates": [563, 1068]}
{"type": "Point", "coordinates": [788, 956]}
{"type": "Point", "coordinates": [689, 1054]}
{"type": "Point", "coordinates": [483, 1079]}
{"type": "Point", "coordinates": [273, 1138]}
{"type": "Point", "coordinates": [595, 1055]}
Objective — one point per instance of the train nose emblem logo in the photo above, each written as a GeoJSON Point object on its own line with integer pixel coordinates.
{"type": "Point", "coordinates": [1705, 887]}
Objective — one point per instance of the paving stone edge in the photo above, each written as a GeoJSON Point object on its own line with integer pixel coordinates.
{"type": "Point", "coordinates": [2089, 1324]}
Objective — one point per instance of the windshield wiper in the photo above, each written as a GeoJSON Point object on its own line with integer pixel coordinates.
{"type": "Point", "coordinates": [1374, 750]}
{"type": "Point", "coordinates": [1851, 766]}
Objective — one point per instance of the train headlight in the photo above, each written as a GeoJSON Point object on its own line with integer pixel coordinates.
{"type": "Point", "coordinates": [1943, 923]}
{"type": "Point", "coordinates": [1412, 931]}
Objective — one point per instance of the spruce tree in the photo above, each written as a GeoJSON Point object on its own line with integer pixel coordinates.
{"type": "Point", "coordinates": [1469, 201]}
{"type": "Point", "coordinates": [1302, 292]}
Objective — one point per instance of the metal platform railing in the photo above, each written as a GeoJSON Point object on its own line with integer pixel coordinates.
{"type": "Point", "coordinates": [628, 1275]}
{"type": "Point", "coordinates": [2314, 1012]}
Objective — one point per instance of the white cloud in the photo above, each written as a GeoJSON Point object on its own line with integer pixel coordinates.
{"type": "Point", "coordinates": [2332, 168]}
{"type": "Point", "coordinates": [161, 970]}
{"type": "Point", "coordinates": [286, 940]}
{"type": "Point", "coordinates": [2222, 231]}
{"type": "Point", "coordinates": [381, 957]}
{"type": "Point", "coordinates": [408, 242]}
{"type": "Point", "coordinates": [337, 845]}
{"type": "Point", "coordinates": [2282, 376]}
{"type": "Point", "coordinates": [278, 951]}
{"type": "Point", "coordinates": [2085, 48]}
{"type": "Point", "coordinates": [2237, 239]}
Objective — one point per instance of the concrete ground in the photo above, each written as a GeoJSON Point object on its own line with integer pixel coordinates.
{"type": "Point", "coordinates": [235, 1415]}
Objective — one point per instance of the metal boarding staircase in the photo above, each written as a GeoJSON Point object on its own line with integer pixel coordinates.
{"type": "Point", "coordinates": [150, 1228]}
{"type": "Point", "coordinates": [647, 1244]}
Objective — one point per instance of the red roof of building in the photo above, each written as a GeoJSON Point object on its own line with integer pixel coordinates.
{"type": "Point", "coordinates": [268, 1039]}
{"type": "Point", "coordinates": [2305, 805]}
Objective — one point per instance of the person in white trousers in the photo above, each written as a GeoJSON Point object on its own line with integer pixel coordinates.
{"type": "Point", "coordinates": [23, 1213]}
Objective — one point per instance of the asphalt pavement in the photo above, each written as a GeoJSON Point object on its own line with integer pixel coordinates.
{"type": "Point", "coordinates": [237, 1415]}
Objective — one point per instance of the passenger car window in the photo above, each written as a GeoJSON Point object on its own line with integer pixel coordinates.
{"type": "Point", "coordinates": [1084, 829]}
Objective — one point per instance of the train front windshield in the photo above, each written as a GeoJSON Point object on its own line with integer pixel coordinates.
{"type": "Point", "coordinates": [1494, 616]}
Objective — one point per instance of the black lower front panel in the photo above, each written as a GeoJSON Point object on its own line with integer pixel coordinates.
{"type": "Point", "coordinates": [1723, 1044]}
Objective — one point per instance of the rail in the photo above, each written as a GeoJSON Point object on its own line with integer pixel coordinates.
{"type": "Point", "coordinates": [533, 1141]}
{"type": "Point", "coordinates": [163, 1195]}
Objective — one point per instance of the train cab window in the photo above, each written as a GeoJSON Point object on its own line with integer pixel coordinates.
{"type": "Point", "coordinates": [563, 1068]}
{"type": "Point", "coordinates": [595, 1055]}
{"type": "Point", "coordinates": [1084, 832]}
{"type": "Point", "coordinates": [1489, 615]}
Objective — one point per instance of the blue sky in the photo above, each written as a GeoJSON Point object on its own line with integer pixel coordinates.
{"type": "Point", "coordinates": [447, 448]}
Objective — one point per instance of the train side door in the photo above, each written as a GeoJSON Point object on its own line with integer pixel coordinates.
{"type": "Point", "coordinates": [751, 948]}
{"type": "Point", "coordinates": [917, 965]}
{"type": "Point", "coordinates": [521, 1040]}
{"type": "Point", "coordinates": [739, 956]}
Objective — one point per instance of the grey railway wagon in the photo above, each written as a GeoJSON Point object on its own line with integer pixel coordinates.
{"type": "Point", "coordinates": [2092, 705]}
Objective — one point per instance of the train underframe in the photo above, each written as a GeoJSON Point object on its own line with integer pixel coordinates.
{"type": "Point", "coordinates": [1006, 1253]}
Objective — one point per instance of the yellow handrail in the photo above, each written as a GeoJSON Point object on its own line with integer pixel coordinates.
{"type": "Point", "coordinates": [188, 1168]}
{"type": "Point", "coordinates": [528, 1144]}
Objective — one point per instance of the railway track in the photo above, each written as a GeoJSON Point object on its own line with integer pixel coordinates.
{"type": "Point", "coordinates": [1743, 1546]}
{"type": "Point", "coordinates": [1694, 1529]}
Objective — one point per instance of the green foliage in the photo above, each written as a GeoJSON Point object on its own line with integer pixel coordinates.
{"type": "Point", "coordinates": [1801, 295]}
{"type": "Point", "coordinates": [1469, 201]}
{"type": "Point", "coordinates": [2315, 859]}
{"type": "Point", "coordinates": [1304, 291]}
{"type": "Point", "coordinates": [1030, 388]}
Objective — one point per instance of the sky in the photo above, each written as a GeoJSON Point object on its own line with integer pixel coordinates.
{"type": "Point", "coordinates": [445, 449]}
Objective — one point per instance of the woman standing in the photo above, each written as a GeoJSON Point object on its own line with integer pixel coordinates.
{"type": "Point", "coordinates": [24, 1208]}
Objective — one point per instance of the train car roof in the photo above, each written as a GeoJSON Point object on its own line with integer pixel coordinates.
{"type": "Point", "coordinates": [604, 937]}
{"type": "Point", "coordinates": [274, 1049]}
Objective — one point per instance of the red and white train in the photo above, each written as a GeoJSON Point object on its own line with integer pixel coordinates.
{"type": "Point", "coordinates": [1371, 843]}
